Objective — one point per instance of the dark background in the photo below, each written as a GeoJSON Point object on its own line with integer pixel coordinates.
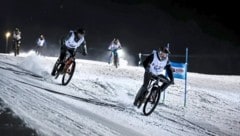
{"type": "Point", "coordinates": [209, 30]}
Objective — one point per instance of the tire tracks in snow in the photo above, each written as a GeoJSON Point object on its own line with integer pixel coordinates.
{"type": "Point", "coordinates": [178, 120]}
{"type": "Point", "coordinates": [114, 126]}
{"type": "Point", "coordinates": [92, 101]}
{"type": "Point", "coordinates": [187, 123]}
{"type": "Point", "coordinates": [23, 71]}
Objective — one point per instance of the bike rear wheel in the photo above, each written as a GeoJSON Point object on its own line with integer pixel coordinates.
{"type": "Point", "coordinates": [16, 49]}
{"type": "Point", "coordinates": [58, 71]}
{"type": "Point", "coordinates": [152, 101]}
{"type": "Point", "coordinates": [55, 68]}
{"type": "Point", "coordinates": [116, 61]}
{"type": "Point", "coordinates": [67, 76]}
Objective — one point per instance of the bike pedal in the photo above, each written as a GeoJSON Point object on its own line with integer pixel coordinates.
{"type": "Point", "coordinates": [139, 105]}
{"type": "Point", "coordinates": [68, 71]}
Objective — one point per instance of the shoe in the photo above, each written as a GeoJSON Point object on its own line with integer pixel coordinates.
{"type": "Point", "coordinates": [172, 82]}
{"type": "Point", "coordinates": [135, 103]}
{"type": "Point", "coordinates": [53, 73]}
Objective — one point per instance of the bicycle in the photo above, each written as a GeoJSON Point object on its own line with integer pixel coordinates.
{"type": "Point", "coordinates": [115, 58]}
{"type": "Point", "coordinates": [151, 97]}
{"type": "Point", "coordinates": [16, 46]}
{"type": "Point", "coordinates": [66, 69]}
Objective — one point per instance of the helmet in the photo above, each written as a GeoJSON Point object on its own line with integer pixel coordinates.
{"type": "Point", "coordinates": [115, 41]}
{"type": "Point", "coordinates": [81, 31]}
{"type": "Point", "coordinates": [16, 29]}
{"type": "Point", "coordinates": [165, 50]}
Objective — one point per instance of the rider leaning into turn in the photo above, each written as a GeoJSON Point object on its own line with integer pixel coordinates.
{"type": "Point", "coordinates": [41, 43]}
{"type": "Point", "coordinates": [154, 65]}
{"type": "Point", "coordinates": [115, 45]}
{"type": "Point", "coordinates": [16, 37]}
{"type": "Point", "coordinates": [71, 43]}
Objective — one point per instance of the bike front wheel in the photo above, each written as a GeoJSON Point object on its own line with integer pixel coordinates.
{"type": "Point", "coordinates": [67, 76]}
{"type": "Point", "coordinates": [16, 49]}
{"type": "Point", "coordinates": [152, 101]}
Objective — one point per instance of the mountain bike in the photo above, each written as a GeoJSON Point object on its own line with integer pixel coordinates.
{"type": "Point", "coordinates": [115, 58]}
{"type": "Point", "coordinates": [16, 46]}
{"type": "Point", "coordinates": [152, 96]}
{"type": "Point", "coordinates": [66, 69]}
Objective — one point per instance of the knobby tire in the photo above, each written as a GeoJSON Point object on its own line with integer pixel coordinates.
{"type": "Point", "coordinates": [72, 66]}
{"type": "Point", "coordinates": [148, 101]}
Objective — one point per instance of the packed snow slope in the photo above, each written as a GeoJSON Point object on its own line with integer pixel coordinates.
{"type": "Point", "coordinates": [98, 101]}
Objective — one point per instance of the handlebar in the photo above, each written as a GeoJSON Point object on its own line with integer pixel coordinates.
{"type": "Point", "coordinates": [161, 78]}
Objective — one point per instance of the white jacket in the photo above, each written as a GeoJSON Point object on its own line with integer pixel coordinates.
{"type": "Point", "coordinates": [157, 66]}
{"type": "Point", "coordinates": [114, 46]}
{"type": "Point", "coordinates": [71, 43]}
{"type": "Point", "coordinates": [40, 42]}
{"type": "Point", "coordinates": [17, 36]}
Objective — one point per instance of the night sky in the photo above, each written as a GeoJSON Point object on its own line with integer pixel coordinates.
{"type": "Point", "coordinates": [209, 30]}
{"type": "Point", "coordinates": [223, 12]}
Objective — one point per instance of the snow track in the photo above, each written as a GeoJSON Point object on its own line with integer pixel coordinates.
{"type": "Point", "coordinates": [98, 101]}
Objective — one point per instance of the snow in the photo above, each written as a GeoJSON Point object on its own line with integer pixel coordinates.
{"type": "Point", "coordinates": [98, 100]}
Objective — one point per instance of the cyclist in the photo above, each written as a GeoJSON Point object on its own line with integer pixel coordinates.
{"type": "Point", "coordinates": [154, 64]}
{"type": "Point", "coordinates": [113, 47]}
{"type": "Point", "coordinates": [41, 42]}
{"type": "Point", "coordinates": [71, 43]}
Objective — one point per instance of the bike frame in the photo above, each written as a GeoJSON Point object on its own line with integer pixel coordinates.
{"type": "Point", "coordinates": [66, 68]}
{"type": "Point", "coordinates": [154, 82]}
{"type": "Point", "coordinates": [115, 58]}
{"type": "Point", "coordinates": [16, 47]}
{"type": "Point", "coordinates": [67, 63]}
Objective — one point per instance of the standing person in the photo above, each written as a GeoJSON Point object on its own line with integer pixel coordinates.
{"type": "Point", "coordinates": [16, 41]}
{"type": "Point", "coordinates": [154, 64]}
{"type": "Point", "coordinates": [70, 44]}
{"type": "Point", "coordinates": [113, 47]}
{"type": "Point", "coordinates": [41, 43]}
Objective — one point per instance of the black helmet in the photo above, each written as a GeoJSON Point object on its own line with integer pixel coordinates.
{"type": "Point", "coordinates": [115, 41]}
{"type": "Point", "coordinates": [16, 29]}
{"type": "Point", "coordinates": [41, 36]}
{"type": "Point", "coordinates": [81, 31]}
{"type": "Point", "coordinates": [165, 50]}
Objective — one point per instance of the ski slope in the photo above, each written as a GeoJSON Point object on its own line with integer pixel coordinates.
{"type": "Point", "coordinates": [98, 101]}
